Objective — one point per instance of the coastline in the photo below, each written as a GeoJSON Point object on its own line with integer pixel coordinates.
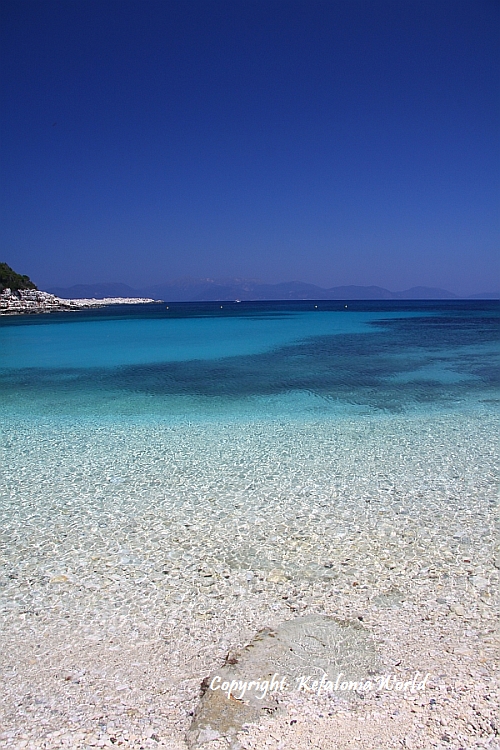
{"type": "Point", "coordinates": [31, 301]}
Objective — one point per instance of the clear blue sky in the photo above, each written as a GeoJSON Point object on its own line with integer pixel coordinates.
{"type": "Point", "coordinates": [334, 142]}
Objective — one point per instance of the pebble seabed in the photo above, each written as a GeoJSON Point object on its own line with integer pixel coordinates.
{"type": "Point", "coordinates": [135, 556]}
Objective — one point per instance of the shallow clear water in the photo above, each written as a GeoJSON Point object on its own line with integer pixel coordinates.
{"type": "Point", "coordinates": [207, 411]}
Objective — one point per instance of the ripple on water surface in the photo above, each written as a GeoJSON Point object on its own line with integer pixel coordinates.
{"type": "Point", "coordinates": [175, 508]}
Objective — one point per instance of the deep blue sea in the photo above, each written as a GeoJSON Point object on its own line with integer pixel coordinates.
{"type": "Point", "coordinates": [250, 360]}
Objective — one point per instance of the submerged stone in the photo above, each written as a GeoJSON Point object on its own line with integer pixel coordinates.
{"type": "Point", "coordinates": [314, 654]}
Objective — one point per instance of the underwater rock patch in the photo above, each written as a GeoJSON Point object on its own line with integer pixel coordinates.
{"type": "Point", "coordinates": [297, 655]}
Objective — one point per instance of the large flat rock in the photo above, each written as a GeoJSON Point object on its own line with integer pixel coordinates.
{"type": "Point", "coordinates": [254, 681]}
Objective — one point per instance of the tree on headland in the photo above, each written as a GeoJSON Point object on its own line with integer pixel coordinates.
{"type": "Point", "coordinates": [9, 279]}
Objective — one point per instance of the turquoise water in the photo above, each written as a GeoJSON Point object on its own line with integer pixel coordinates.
{"type": "Point", "coordinates": [94, 342]}
{"type": "Point", "coordinates": [172, 481]}
{"type": "Point", "coordinates": [250, 360]}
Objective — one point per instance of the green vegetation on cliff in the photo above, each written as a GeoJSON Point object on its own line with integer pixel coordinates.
{"type": "Point", "coordinates": [9, 279]}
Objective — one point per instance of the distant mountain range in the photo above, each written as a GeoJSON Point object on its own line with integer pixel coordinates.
{"type": "Point", "coordinates": [208, 290]}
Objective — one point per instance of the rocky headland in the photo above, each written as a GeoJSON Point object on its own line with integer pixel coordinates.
{"type": "Point", "coordinates": [22, 301]}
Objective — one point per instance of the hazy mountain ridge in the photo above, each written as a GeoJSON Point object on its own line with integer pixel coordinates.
{"type": "Point", "coordinates": [208, 290]}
